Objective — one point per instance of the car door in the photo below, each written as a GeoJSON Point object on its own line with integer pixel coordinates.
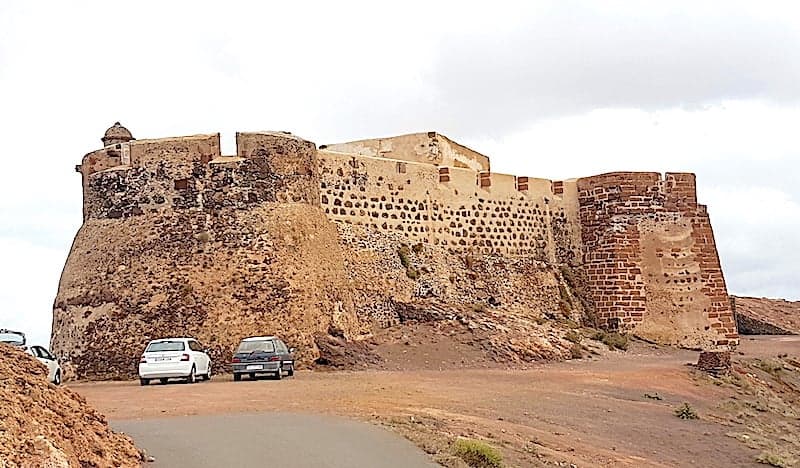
{"type": "Point", "coordinates": [43, 356]}
{"type": "Point", "coordinates": [286, 358]}
{"type": "Point", "coordinates": [201, 350]}
{"type": "Point", "coordinates": [200, 358]}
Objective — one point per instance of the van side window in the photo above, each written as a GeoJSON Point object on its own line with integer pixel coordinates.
{"type": "Point", "coordinates": [281, 347]}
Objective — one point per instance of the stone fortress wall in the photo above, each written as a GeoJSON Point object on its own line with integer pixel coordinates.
{"type": "Point", "coordinates": [645, 244]}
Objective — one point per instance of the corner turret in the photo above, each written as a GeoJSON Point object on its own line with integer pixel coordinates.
{"type": "Point", "coordinates": [116, 134]}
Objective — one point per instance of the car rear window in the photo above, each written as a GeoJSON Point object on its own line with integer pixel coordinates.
{"type": "Point", "coordinates": [250, 346]}
{"type": "Point", "coordinates": [12, 338]}
{"type": "Point", "coordinates": [165, 346]}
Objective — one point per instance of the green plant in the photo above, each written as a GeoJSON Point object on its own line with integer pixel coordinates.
{"type": "Point", "coordinates": [770, 367]}
{"type": "Point", "coordinates": [612, 340]}
{"type": "Point", "coordinates": [686, 412]}
{"type": "Point", "coordinates": [771, 459]}
{"type": "Point", "coordinates": [478, 307]}
{"type": "Point", "coordinates": [403, 252]}
{"type": "Point", "coordinates": [573, 336]}
{"type": "Point", "coordinates": [412, 273]}
{"type": "Point", "coordinates": [477, 454]}
{"type": "Point", "coordinates": [203, 236]}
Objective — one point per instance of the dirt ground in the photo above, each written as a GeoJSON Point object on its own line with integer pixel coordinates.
{"type": "Point", "coordinates": [615, 409]}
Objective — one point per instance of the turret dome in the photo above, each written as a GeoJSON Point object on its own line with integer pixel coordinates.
{"type": "Point", "coordinates": [116, 134]}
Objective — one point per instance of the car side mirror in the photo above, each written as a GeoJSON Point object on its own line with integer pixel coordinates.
{"type": "Point", "coordinates": [206, 351]}
{"type": "Point", "coordinates": [291, 350]}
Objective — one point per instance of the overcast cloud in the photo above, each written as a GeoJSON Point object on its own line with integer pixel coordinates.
{"type": "Point", "coordinates": [547, 89]}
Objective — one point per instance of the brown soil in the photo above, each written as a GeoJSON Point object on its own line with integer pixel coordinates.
{"type": "Point", "coordinates": [42, 425]}
{"type": "Point", "coordinates": [616, 409]}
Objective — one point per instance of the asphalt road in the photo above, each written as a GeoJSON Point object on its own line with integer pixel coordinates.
{"type": "Point", "coordinates": [270, 439]}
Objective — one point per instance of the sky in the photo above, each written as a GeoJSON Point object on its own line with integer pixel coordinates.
{"type": "Point", "coordinates": [553, 89]}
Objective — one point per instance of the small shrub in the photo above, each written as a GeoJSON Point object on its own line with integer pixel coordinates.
{"type": "Point", "coordinates": [403, 252]}
{"type": "Point", "coordinates": [686, 412]}
{"type": "Point", "coordinates": [576, 351]}
{"type": "Point", "coordinates": [417, 248]}
{"type": "Point", "coordinates": [771, 459]}
{"type": "Point", "coordinates": [412, 273]}
{"type": "Point", "coordinates": [771, 367]}
{"type": "Point", "coordinates": [477, 307]}
{"type": "Point", "coordinates": [477, 454]}
{"type": "Point", "coordinates": [203, 236]}
{"type": "Point", "coordinates": [573, 336]}
{"type": "Point", "coordinates": [469, 262]}
{"type": "Point", "coordinates": [612, 340]}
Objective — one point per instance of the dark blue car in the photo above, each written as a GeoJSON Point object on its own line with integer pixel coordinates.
{"type": "Point", "coordinates": [262, 355]}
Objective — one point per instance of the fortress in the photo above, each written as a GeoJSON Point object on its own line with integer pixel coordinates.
{"type": "Point", "coordinates": [175, 233]}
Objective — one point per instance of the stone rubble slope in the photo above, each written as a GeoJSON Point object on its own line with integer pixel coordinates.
{"type": "Point", "coordinates": [42, 425]}
{"type": "Point", "coordinates": [762, 316]}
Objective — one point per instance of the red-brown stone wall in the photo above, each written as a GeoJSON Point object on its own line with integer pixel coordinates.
{"type": "Point", "coordinates": [615, 210]}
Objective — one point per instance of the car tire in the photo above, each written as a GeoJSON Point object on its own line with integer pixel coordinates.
{"type": "Point", "coordinates": [237, 377]}
{"type": "Point", "coordinates": [253, 376]}
{"type": "Point", "coordinates": [144, 382]}
{"type": "Point", "coordinates": [207, 375]}
{"type": "Point", "coordinates": [279, 374]}
{"type": "Point", "coordinates": [163, 381]}
{"type": "Point", "coordinates": [57, 378]}
{"type": "Point", "coordinates": [290, 373]}
{"type": "Point", "coordinates": [192, 376]}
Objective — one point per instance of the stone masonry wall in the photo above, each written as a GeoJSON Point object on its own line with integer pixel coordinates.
{"type": "Point", "coordinates": [180, 241]}
{"type": "Point", "coordinates": [457, 208]}
{"type": "Point", "coordinates": [651, 259]}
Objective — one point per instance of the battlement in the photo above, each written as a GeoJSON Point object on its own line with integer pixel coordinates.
{"type": "Point", "coordinates": [641, 238]}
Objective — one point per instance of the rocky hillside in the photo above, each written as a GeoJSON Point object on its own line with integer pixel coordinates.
{"type": "Point", "coordinates": [762, 316]}
{"type": "Point", "coordinates": [42, 425]}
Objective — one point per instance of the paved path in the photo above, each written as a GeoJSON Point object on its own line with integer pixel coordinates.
{"type": "Point", "coordinates": [270, 439]}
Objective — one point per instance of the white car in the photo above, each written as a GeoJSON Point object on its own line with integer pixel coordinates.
{"type": "Point", "coordinates": [46, 357]}
{"type": "Point", "coordinates": [174, 358]}
{"type": "Point", "coordinates": [17, 340]}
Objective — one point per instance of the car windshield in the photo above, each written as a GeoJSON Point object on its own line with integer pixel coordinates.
{"type": "Point", "coordinates": [165, 346]}
{"type": "Point", "coordinates": [17, 339]}
{"type": "Point", "coordinates": [252, 346]}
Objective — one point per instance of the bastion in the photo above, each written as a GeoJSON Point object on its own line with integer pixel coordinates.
{"type": "Point", "coordinates": [290, 239]}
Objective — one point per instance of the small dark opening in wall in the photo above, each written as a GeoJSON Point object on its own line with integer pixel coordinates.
{"type": "Point", "coordinates": [181, 184]}
{"type": "Point", "coordinates": [323, 146]}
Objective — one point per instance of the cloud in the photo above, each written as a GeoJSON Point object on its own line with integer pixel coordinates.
{"type": "Point", "coordinates": [548, 89]}
{"type": "Point", "coordinates": [30, 279]}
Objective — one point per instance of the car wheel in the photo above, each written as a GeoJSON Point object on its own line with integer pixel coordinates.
{"type": "Point", "coordinates": [144, 382]}
{"type": "Point", "coordinates": [164, 381]}
{"type": "Point", "coordinates": [207, 375]}
{"type": "Point", "coordinates": [57, 377]}
{"type": "Point", "coordinates": [279, 374]}
{"type": "Point", "coordinates": [192, 376]}
{"type": "Point", "coordinates": [253, 376]}
{"type": "Point", "coordinates": [291, 370]}
{"type": "Point", "coordinates": [237, 377]}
